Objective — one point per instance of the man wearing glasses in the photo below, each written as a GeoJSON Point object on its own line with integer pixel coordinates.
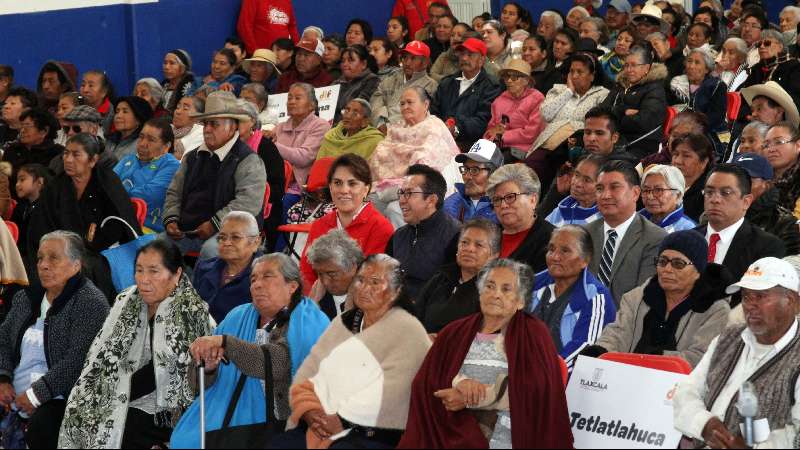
{"type": "Point", "coordinates": [470, 200]}
{"type": "Point", "coordinates": [734, 241]}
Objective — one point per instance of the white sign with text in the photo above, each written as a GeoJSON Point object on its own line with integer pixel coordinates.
{"type": "Point", "coordinates": [32, 6]}
{"type": "Point", "coordinates": [327, 97]}
{"type": "Point", "coordinates": [614, 405]}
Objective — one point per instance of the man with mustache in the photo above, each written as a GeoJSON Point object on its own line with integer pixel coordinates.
{"type": "Point", "coordinates": [470, 200]}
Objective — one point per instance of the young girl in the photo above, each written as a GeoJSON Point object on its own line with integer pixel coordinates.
{"type": "Point", "coordinates": [31, 180]}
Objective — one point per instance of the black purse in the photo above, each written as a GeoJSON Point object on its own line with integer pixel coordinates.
{"type": "Point", "coordinates": [252, 436]}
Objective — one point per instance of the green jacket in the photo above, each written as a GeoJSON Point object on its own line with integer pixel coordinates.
{"type": "Point", "coordinates": [336, 143]}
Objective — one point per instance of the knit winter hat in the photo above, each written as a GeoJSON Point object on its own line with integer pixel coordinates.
{"type": "Point", "coordinates": [141, 109]}
{"type": "Point", "coordinates": [183, 57]}
{"type": "Point", "coordinates": [689, 243]}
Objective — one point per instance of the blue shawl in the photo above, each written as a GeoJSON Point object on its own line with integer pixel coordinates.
{"type": "Point", "coordinates": [306, 325]}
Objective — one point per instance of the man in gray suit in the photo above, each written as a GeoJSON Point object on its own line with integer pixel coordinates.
{"type": "Point", "coordinates": [625, 243]}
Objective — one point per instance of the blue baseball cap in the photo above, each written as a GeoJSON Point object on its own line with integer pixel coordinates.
{"type": "Point", "coordinates": [620, 5]}
{"type": "Point", "coordinates": [755, 165]}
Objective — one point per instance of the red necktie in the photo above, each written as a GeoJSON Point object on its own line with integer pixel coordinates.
{"type": "Point", "coordinates": [712, 247]}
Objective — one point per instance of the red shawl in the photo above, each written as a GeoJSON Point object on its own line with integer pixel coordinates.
{"type": "Point", "coordinates": [539, 416]}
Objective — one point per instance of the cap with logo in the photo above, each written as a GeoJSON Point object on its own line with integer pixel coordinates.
{"type": "Point", "coordinates": [767, 273]}
{"type": "Point", "coordinates": [755, 165]}
{"type": "Point", "coordinates": [473, 45]}
{"type": "Point", "coordinates": [483, 151]}
{"type": "Point", "coordinates": [312, 45]}
{"type": "Point", "coordinates": [417, 48]}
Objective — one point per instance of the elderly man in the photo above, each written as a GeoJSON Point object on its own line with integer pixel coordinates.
{"type": "Point", "coordinates": [464, 100]}
{"type": "Point", "coordinates": [470, 200]}
{"type": "Point", "coordinates": [764, 353]}
{"type": "Point", "coordinates": [83, 119]}
{"type": "Point", "coordinates": [308, 67]}
{"type": "Point", "coordinates": [580, 206]}
{"type": "Point", "coordinates": [789, 19]}
{"type": "Point", "coordinates": [672, 58]}
{"type": "Point", "coordinates": [335, 258]}
{"type": "Point", "coordinates": [549, 23]}
{"type": "Point", "coordinates": [415, 58]}
{"type": "Point", "coordinates": [221, 176]}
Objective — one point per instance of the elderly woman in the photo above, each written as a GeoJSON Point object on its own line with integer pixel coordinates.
{"type": "Point", "coordinates": [493, 379]}
{"type": "Point", "coordinates": [130, 116]}
{"type": "Point", "coordinates": [147, 173]}
{"type": "Point", "coordinates": [564, 109]}
{"type": "Point", "coordinates": [280, 323]}
{"type": "Point", "coordinates": [575, 17]}
{"type": "Point", "coordinates": [564, 45]}
{"type": "Point", "coordinates": [223, 74]}
{"type": "Point", "coordinates": [335, 258]}
{"type": "Point", "coordinates": [496, 38]}
{"type": "Point", "coordinates": [35, 143]}
{"type": "Point", "coordinates": [263, 70]}
{"type": "Point", "coordinates": [422, 138]}
{"type": "Point", "coordinates": [514, 190]}
{"type": "Point", "coordinates": [733, 61]}
{"type": "Point", "coordinates": [693, 155]}
{"type": "Point", "coordinates": [452, 293]}
{"type": "Point", "coordinates": [298, 139]}
{"type": "Point", "coordinates": [350, 182]}
{"type": "Point", "coordinates": [256, 94]}
{"type": "Point", "coordinates": [679, 311]}
{"type": "Point", "coordinates": [775, 64]}
{"type": "Point", "coordinates": [663, 188]}
{"type": "Point", "coordinates": [614, 61]}
{"type": "Point", "coordinates": [188, 133]}
{"type": "Point", "coordinates": [573, 304]}
{"type": "Point", "coordinates": [595, 29]}
{"type": "Point", "coordinates": [135, 383]}
{"type": "Point", "coordinates": [178, 78]}
{"type": "Point", "coordinates": [354, 133]}
{"type": "Point", "coordinates": [150, 90]}
{"type": "Point", "coordinates": [224, 281]}
{"type": "Point", "coordinates": [700, 90]}
{"type": "Point", "coordinates": [81, 200]}
{"type": "Point", "coordinates": [515, 113]}
{"type": "Point", "coordinates": [752, 138]}
{"type": "Point", "coordinates": [39, 364]}
{"type": "Point", "coordinates": [639, 101]}
{"type": "Point", "coordinates": [325, 401]}
{"type": "Point", "coordinates": [357, 80]}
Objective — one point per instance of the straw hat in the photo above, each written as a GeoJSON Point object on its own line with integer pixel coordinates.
{"type": "Point", "coordinates": [221, 105]}
{"type": "Point", "coordinates": [263, 55]}
{"type": "Point", "coordinates": [776, 93]}
{"type": "Point", "coordinates": [652, 11]}
{"type": "Point", "coordinates": [517, 65]}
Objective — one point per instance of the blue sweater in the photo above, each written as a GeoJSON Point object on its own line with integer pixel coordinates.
{"type": "Point", "coordinates": [591, 308]}
{"type": "Point", "coordinates": [462, 208]}
{"type": "Point", "coordinates": [570, 212]}
{"type": "Point", "coordinates": [148, 181]}
{"type": "Point", "coordinates": [676, 221]}
{"type": "Point", "coordinates": [221, 300]}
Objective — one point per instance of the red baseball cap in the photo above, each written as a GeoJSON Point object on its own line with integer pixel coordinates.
{"type": "Point", "coordinates": [311, 45]}
{"type": "Point", "coordinates": [417, 48]}
{"type": "Point", "coordinates": [473, 45]}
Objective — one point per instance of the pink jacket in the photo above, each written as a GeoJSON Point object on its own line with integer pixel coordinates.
{"type": "Point", "coordinates": [525, 122]}
{"type": "Point", "coordinates": [300, 146]}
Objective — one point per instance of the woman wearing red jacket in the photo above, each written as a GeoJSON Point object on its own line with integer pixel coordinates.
{"type": "Point", "coordinates": [261, 22]}
{"type": "Point", "coordinates": [350, 181]}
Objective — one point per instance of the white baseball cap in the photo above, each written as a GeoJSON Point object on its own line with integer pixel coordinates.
{"type": "Point", "coordinates": [483, 151]}
{"type": "Point", "coordinates": [767, 273]}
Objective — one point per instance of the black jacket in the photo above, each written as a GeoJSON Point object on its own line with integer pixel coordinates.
{"type": "Point", "coordinates": [18, 155]}
{"type": "Point", "coordinates": [71, 324]}
{"type": "Point", "coordinates": [767, 214]}
{"type": "Point", "coordinates": [545, 80]}
{"type": "Point", "coordinates": [444, 299]}
{"type": "Point", "coordinates": [783, 70]}
{"type": "Point", "coordinates": [533, 249]}
{"type": "Point", "coordinates": [710, 98]}
{"type": "Point", "coordinates": [693, 201]}
{"type": "Point", "coordinates": [643, 131]}
{"type": "Point", "coordinates": [276, 179]}
{"type": "Point", "coordinates": [423, 249]}
{"type": "Point", "coordinates": [471, 110]}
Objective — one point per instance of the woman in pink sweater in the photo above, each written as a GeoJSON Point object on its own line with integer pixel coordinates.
{"type": "Point", "coordinates": [515, 113]}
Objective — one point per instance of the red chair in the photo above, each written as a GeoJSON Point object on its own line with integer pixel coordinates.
{"type": "Point", "coordinates": [671, 113]}
{"type": "Point", "coordinates": [317, 180]}
{"type": "Point", "coordinates": [140, 206]}
{"type": "Point", "coordinates": [674, 364]}
{"type": "Point", "coordinates": [267, 204]}
{"type": "Point", "coordinates": [734, 105]}
{"type": "Point", "coordinates": [564, 371]}
{"type": "Point", "coordinates": [12, 204]}
{"type": "Point", "coordinates": [13, 229]}
{"type": "Point", "coordinates": [288, 171]}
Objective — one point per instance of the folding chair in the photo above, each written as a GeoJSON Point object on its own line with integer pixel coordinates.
{"type": "Point", "coordinates": [140, 206]}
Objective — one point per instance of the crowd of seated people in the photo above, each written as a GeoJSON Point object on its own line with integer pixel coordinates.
{"type": "Point", "coordinates": [492, 201]}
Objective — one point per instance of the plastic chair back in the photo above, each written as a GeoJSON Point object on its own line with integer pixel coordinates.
{"type": "Point", "coordinates": [674, 364]}
{"type": "Point", "coordinates": [140, 207]}
{"type": "Point", "coordinates": [734, 105]}
{"type": "Point", "coordinates": [13, 229]}
{"type": "Point", "coordinates": [671, 113]}
{"type": "Point", "coordinates": [564, 371]}
{"type": "Point", "coordinates": [288, 172]}
{"type": "Point", "coordinates": [318, 176]}
{"type": "Point", "coordinates": [267, 204]}
{"type": "Point", "coordinates": [12, 205]}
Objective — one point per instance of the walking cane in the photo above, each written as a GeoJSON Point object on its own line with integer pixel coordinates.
{"type": "Point", "coordinates": [202, 380]}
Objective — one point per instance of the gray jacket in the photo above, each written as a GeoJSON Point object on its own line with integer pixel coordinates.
{"type": "Point", "coordinates": [634, 261]}
{"type": "Point", "coordinates": [72, 322]}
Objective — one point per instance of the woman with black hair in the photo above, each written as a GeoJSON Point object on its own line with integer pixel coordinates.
{"type": "Point", "coordinates": [98, 92]}
{"type": "Point", "coordinates": [35, 144]}
{"type": "Point", "coordinates": [223, 74]}
{"type": "Point", "coordinates": [135, 383]}
{"type": "Point", "coordinates": [358, 32]}
{"type": "Point", "coordinates": [358, 78]}
{"type": "Point", "coordinates": [563, 45]}
{"type": "Point", "coordinates": [535, 53]}
{"type": "Point", "coordinates": [514, 17]}
{"type": "Point", "coordinates": [397, 31]}
{"type": "Point", "coordinates": [496, 38]}
{"type": "Point", "coordinates": [129, 119]}
{"type": "Point", "coordinates": [284, 50]}
{"type": "Point", "coordinates": [386, 57]}
{"type": "Point", "coordinates": [332, 58]}
{"type": "Point", "coordinates": [709, 17]}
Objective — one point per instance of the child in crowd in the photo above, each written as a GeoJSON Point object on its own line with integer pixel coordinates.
{"type": "Point", "coordinates": [31, 181]}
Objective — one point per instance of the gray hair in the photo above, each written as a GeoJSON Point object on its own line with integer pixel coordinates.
{"type": "Point", "coordinates": [245, 218]}
{"type": "Point", "coordinates": [708, 60]}
{"type": "Point", "coordinates": [392, 266]}
{"type": "Point", "coordinates": [258, 90]}
{"type": "Point", "coordinates": [557, 20]}
{"type": "Point", "coordinates": [524, 274]}
{"type": "Point", "coordinates": [774, 35]}
{"type": "Point", "coordinates": [525, 178]}
{"type": "Point", "coordinates": [581, 10]}
{"type": "Point", "coordinates": [490, 228]}
{"type": "Point", "coordinates": [792, 9]}
{"type": "Point", "coordinates": [582, 238]}
{"type": "Point", "coordinates": [288, 268]}
{"type": "Point", "coordinates": [657, 35]}
{"type": "Point", "coordinates": [317, 30]}
{"type": "Point", "coordinates": [759, 127]}
{"type": "Point", "coordinates": [741, 45]}
{"type": "Point", "coordinates": [250, 110]}
{"type": "Point", "coordinates": [367, 107]}
{"type": "Point", "coordinates": [336, 247]}
{"type": "Point", "coordinates": [310, 93]}
{"type": "Point", "coordinates": [600, 26]}
{"type": "Point", "coordinates": [155, 88]}
{"type": "Point", "coordinates": [421, 92]}
{"type": "Point", "coordinates": [716, 6]}
{"type": "Point", "coordinates": [672, 177]}
{"type": "Point", "coordinates": [73, 244]}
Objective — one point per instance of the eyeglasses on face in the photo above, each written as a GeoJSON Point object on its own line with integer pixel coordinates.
{"type": "Point", "coordinates": [473, 171]}
{"type": "Point", "coordinates": [406, 194]}
{"type": "Point", "coordinates": [776, 143]}
{"type": "Point", "coordinates": [676, 263]}
{"type": "Point", "coordinates": [724, 194]}
{"type": "Point", "coordinates": [657, 192]}
{"type": "Point", "coordinates": [508, 199]}
{"type": "Point", "coordinates": [74, 128]}
{"type": "Point", "coordinates": [233, 238]}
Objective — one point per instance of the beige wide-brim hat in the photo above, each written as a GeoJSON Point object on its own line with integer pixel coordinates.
{"type": "Point", "coordinates": [517, 65]}
{"type": "Point", "coordinates": [262, 55]}
{"type": "Point", "coordinates": [776, 93]}
{"type": "Point", "coordinates": [221, 105]}
{"type": "Point", "coordinates": [652, 11]}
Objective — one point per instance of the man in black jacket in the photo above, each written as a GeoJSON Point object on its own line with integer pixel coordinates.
{"type": "Point", "coordinates": [430, 236]}
{"type": "Point", "coordinates": [464, 100]}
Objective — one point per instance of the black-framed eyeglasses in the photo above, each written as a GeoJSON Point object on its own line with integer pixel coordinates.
{"type": "Point", "coordinates": [676, 263]}
{"type": "Point", "coordinates": [508, 199]}
{"type": "Point", "coordinates": [473, 171]}
{"type": "Point", "coordinates": [75, 129]}
{"type": "Point", "coordinates": [765, 43]}
{"type": "Point", "coordinates": [407, 193]}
